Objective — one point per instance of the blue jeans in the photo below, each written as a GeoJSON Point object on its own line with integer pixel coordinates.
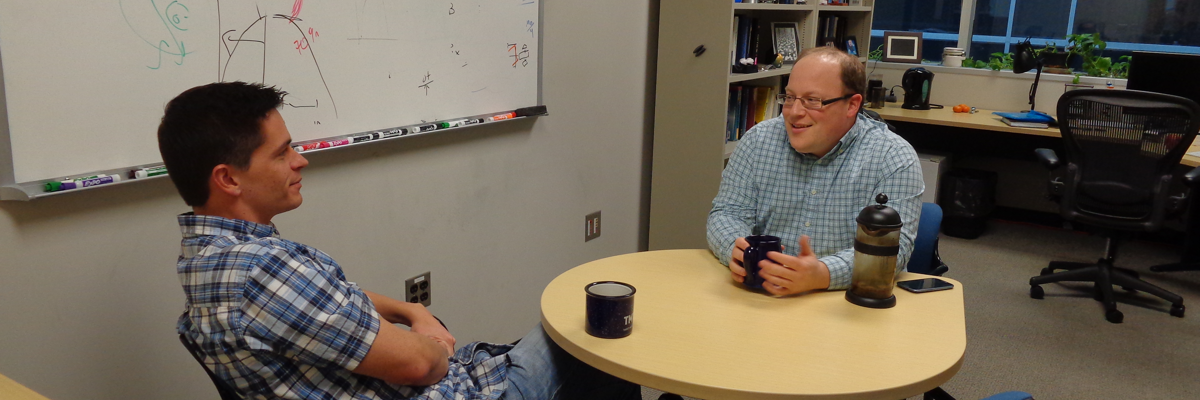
{"type": "Point", "coordinates": [540, 370]}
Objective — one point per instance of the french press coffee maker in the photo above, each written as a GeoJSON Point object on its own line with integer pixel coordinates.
{"type": "Point", "coordinates": [876, 246]}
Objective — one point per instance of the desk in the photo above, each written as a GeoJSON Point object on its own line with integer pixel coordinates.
{"type": "Point", "coordinates": [984, 120]}
{"type": "Point", "coordinates": [11, 390]}
{"type": "Point", "coordinates": [699, 334]}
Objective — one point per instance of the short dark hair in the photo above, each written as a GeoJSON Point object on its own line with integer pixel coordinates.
{"type": "Point", "coordinates": [854, 74]}
{"type": "Point", "coordinates": [209, 125]}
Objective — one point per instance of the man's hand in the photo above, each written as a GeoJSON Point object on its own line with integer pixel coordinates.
{"type": "Point", "coordinates": [786, 275]}
{"type": "Point", "coordinates": [433, 329]}
{"type": "Point", "coordinates": [735, 260]}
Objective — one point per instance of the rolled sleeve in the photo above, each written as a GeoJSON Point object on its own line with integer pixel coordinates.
{"type": "Point", "coordinates": [307, 314]}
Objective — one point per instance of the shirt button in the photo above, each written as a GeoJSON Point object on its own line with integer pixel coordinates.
{"type": "Point", "coordinates": [814, 191]}
{"type": "Point", "coordinates": [808, 224]}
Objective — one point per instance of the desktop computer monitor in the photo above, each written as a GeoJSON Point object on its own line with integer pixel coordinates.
{"type": "Point", "coordinates": [1167, 73]}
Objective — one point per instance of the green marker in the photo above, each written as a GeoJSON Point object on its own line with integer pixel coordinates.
{"type": "Point", "coordinates": [149, 172]}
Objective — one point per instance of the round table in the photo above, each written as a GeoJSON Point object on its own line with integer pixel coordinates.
{"type": "Point", "coordinates": [699, 334]}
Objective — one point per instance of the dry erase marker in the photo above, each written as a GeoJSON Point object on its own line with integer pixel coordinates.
{"type": "Point", "coordinates": [334, 143]}
{"type": "Point", "coordinates": [106, 179]}
{"type": "Point", "coordinates": [364, 138]}
{"type": "Point", "coordinates": [504, 116]}
{"type": "Point", "coordinates": [308, 146]}
{"type": "Point", "coordinates": [55, 186]}
{"type": "Point", "coordinates": [143, 173]}
{"type": "Point", "coordinates": [461, 122]}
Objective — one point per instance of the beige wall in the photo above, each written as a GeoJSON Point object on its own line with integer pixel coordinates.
{"type": "Point", "coordinates": [88, 294]}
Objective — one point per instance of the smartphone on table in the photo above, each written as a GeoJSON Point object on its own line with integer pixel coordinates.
{"type": "Point", "coordinates": [925, 285]}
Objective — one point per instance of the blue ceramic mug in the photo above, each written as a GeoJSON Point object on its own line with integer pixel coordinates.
{"type": "Point", "coordinates": [757, 251]}
{"type": "Point", "coordinates": [609, 309]}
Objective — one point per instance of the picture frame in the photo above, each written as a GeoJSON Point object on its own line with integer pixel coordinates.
{"type": "Point", "coordinates": [902, 47]}
{"type": "Point", "coordinates": [786, 40]}
{"type": "Point", "coordinates": [852, 46]}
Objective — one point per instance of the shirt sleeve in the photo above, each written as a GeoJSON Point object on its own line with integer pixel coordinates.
{"type": "Point", "coordinates": [309, 314]}
{"type": "Point", "coordinates": [733, 210]}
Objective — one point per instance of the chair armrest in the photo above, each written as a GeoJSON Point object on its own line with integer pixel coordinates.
{"type": "Point", "coordinates": [1192, 178]}
{"type": "Point", "coordinates": [1048, 158]}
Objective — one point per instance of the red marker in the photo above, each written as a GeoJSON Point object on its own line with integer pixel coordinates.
{"type": "Point", "coordinates": [504, 116]}
{"type": "Point", "coordinates": [335, 143]}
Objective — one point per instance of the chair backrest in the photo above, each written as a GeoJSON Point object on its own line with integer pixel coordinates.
{"type": "Point", "coordinates": [224, 389]}
{"type": "Point", "coordinates": [1122, 147]}
{"type": "Point", "coordinates": [924, 258]}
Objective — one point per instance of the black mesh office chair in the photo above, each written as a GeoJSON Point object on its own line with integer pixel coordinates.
{"type": "Point", "coordinates": [1121, 148]}
{"type": "Point", "coordinates": [227, 392]}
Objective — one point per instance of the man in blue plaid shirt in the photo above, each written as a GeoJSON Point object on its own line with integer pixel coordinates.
{"type": "Point", "coordinates": [806, 175]}
{"type": "Point", "coordinates": [274, 318]}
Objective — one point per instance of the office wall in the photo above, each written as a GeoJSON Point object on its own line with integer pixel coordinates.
{"type": "Point", "coordinates": [88, 293]}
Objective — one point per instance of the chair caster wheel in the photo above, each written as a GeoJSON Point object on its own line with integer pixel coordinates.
{"type": "Point", "coordinates": [1036, 292]}
{"type": "Point", "coordinates": [1114, 316]}
{"type": "Point", "coordinates": [1177, 310]}
{"type": "Point", "coordinates": [1047, 271]}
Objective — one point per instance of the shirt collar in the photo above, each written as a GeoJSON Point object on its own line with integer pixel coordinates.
{"type": "Point", "coordinates": [194, 225]}
{"type": "Point", "coordinates": [844, 143]}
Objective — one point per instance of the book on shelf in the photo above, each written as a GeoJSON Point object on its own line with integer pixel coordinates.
{"type": "Point", "coordinates": [1028, 119]}
{"type": "Point", "coordinates": [748, 106]}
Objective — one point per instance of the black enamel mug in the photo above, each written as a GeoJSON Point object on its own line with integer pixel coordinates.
{"type": "Point", "coordinates": [609, 309]}
{"type": "Point", "coordinates": [757, 251]}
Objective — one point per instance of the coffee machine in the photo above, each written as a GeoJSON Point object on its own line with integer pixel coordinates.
{"type": "Point", "coordinates": [916, 83]}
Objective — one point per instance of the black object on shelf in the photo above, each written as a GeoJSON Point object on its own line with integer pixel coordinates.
{"type": "Point", "coordinates": [967, 197]}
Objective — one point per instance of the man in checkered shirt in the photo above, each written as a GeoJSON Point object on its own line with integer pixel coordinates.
{"type": "Point", "coordinates": [806, 175]}
{"type": "Point", "coordinates": [274, 318]}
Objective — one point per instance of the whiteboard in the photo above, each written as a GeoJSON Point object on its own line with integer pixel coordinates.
{"type": "Point", "coordinates": [85, 82]}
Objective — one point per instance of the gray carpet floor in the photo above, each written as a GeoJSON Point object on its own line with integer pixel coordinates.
{"type": "Point", "coordinates": [1061, 347]}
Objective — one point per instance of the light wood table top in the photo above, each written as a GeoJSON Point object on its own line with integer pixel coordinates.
{"type": "Point", "coordinates": [11, 390]}
{"type": "Point", "coordinates": [699, 334]}
{"type": "Point", "coordinates": [985, 120]}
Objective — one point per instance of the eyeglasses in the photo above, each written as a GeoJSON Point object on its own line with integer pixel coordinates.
{"type": "Point", "coordinates": [811, 103]}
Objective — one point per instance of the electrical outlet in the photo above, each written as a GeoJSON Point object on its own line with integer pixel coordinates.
{"type": "Point", "coordinates": [592, 226]}
{"type": "Point", "coordinates": [417, 290]}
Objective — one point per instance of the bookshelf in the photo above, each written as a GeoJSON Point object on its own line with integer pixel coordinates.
{"type": "Point", "coordinates": [692, 99]}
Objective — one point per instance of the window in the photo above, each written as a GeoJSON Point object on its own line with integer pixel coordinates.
{"type": "Point", "coordinates": [938, 20]}
{"type": "Point", "coordinates": [996, 25]}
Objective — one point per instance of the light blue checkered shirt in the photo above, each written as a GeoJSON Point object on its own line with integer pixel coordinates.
{"type": "Point", "coordinates": [769, 188]}
{"type": "Point", "coordinates": [277, 319]}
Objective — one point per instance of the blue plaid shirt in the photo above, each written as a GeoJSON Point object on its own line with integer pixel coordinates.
{"type": "Point", "coordinates": [769, 188]}
{"type": "Point", "coordinates": [277, 319]}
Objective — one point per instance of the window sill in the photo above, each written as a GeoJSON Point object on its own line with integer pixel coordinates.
{"type": "Point", "coordinates": [1098, 82]}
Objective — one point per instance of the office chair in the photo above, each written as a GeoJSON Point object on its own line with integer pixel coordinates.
{"type": "Point", "coordinates": [1192, 180]}
{"type": "Point", "coordinates": [925, 258]}
{"type": "Point", "coordinates": [223, 388]}
{"type": "Point", "coordinates": [1121, 146]}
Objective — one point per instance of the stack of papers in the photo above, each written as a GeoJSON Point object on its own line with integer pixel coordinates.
{"type": "Point", "coordinates": [1031, 119]}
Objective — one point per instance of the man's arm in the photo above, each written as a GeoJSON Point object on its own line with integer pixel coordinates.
{"type": "Point", "coordinates": [732, 215]}
{"type": "Point", "coordinates": [401, 357]}
{"type": "Point", "coordinates": [415, 315]}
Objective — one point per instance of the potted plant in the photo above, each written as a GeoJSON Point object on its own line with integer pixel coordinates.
{"type": "Point", "coordinates": [1089, 46]}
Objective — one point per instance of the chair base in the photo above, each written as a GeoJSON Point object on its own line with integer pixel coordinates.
{"type": "Point", "coordinates": [1176, 267]}
{"type": "Point", "coordinates": [1104, 275]}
